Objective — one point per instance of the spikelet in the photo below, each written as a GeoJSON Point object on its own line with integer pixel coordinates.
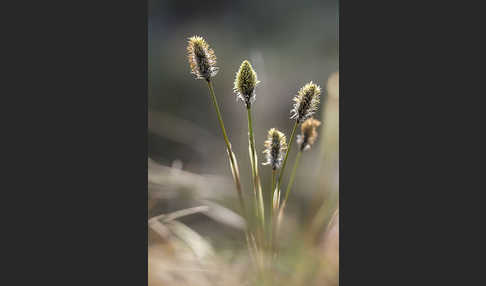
{"type": "Point", "coordinates": [245, 83]}
{"type": "Point", "coordinates": [309, 134]}
{"type": "Point", "coordinates": [201, 58]}
{"type": "Point", "coordinates": [306, 102]}
{"type": "Point", "coordinates": [275, 148]}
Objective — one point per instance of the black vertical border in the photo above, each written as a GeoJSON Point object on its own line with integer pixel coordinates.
{"type": "Point", "coordinates": [81, 143]}
{"type": "Point", "coordinates": [404, 87]}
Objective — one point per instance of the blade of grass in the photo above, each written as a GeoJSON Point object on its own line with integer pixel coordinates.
{"type": "Point", "coordinates": [255, 176]}
{"type": "Point", "coordinates": [292, 177]}
{"type": "Point", "coordinates": [232, 157]}
{"type": "Point", "coordinates": [287, 154]}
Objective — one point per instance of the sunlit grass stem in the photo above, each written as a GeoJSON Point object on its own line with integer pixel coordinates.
{"type": "Point", "coordinates": [271, 210]}
{"type": "Point", "coordinates": [292, 177]}
{"type": "Point", "coordinates": [287, 154]}
{"type": "Point", "coordinates": [279, 212]}
{"type": "Point", "coordinates": [252, 151]}
{"type": "Point", "coordinates": [256, 188]}
{"type": "Point", "coordinates": [272, 190]}
{"type": "Point", "coordinates": [228, 146]}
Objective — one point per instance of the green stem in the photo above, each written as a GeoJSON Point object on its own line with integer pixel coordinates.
{"type": "Point", "coordinates": [284, 202]}
{"type": "Point", "coordinates": [274, 174]}
{"type": "Point", "coordinates": [228, 146]}
{"type": "Point", "coordinates": [270, 208]}
{"type": "Point", "coordinates": [287, 154]}
{"type": "Point", "coordinates": [256, 189]}
{"type": "Point", "coordinates": [252, 150]}
{"type": "Point", "coordinates": [292, 177]}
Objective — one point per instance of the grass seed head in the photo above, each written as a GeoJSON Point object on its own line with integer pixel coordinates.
{"type": "Point", "coordinates": [275, 148]}
{"type": "Point", "coordinates": [306, 102]}
{"type": "Point", "coordinates": [201, 58]}
{"type": "Point", "coordinates": [245, 82]}
{"type": "Point", "coordinates": [308, 134]}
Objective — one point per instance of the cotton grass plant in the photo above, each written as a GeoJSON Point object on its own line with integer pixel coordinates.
{"type": "Point", "coordinates": [202, 61]}
{"type": "Point", "coordinates": [262, 218]}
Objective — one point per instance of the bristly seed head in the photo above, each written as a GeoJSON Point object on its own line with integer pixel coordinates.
{"type": "Point", "coordinates": [306, 102]}
{"type": "Point", "coordinates": [245, 83]}
{"type": "Point", "coordinates": [201, 58]}
{"type": "Point", "coordinates": [309, 134]}
{"type": "Point", "coordinates": [275, 148]}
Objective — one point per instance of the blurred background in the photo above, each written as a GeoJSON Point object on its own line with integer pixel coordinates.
{"type": "Point", "coordinates": [195, 232]}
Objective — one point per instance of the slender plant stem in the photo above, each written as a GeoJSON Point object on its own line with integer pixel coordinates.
{"type": "Point", "coordinates": [291, 181]}
{"type": "Point", "coordinates": [252, 151]}
{"type": "Point", "coordinates": [272, 190]}
{"type": "Point", "coordinates": [292, 177]}
{"type": "Point", "coordinates": [271, 209]}
{"type": "Point", "coordinates": [256, 188]}
{"type": "Point", "coordinates": [287, 154]}
{"type": "Point", "coordinates": [234, 166]}
{"type": "Point", "coordinates": [228, 146]}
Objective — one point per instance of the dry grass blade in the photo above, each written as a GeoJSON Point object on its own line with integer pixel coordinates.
{"type": "Point", "coordinates": [224, 215]}
{"type": "Point", "coordinates": [166, 182]}
{"type": "Point", "coordinates": [198, 245]}
{"type": "Point", "coordinates": [159, 228]}
{"type": "Point", "coordinates": [165, 225]}
{"type": "Point", "coordinates": [276, 199]}
{"type": "Point", "coordinates": [180, 213]}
